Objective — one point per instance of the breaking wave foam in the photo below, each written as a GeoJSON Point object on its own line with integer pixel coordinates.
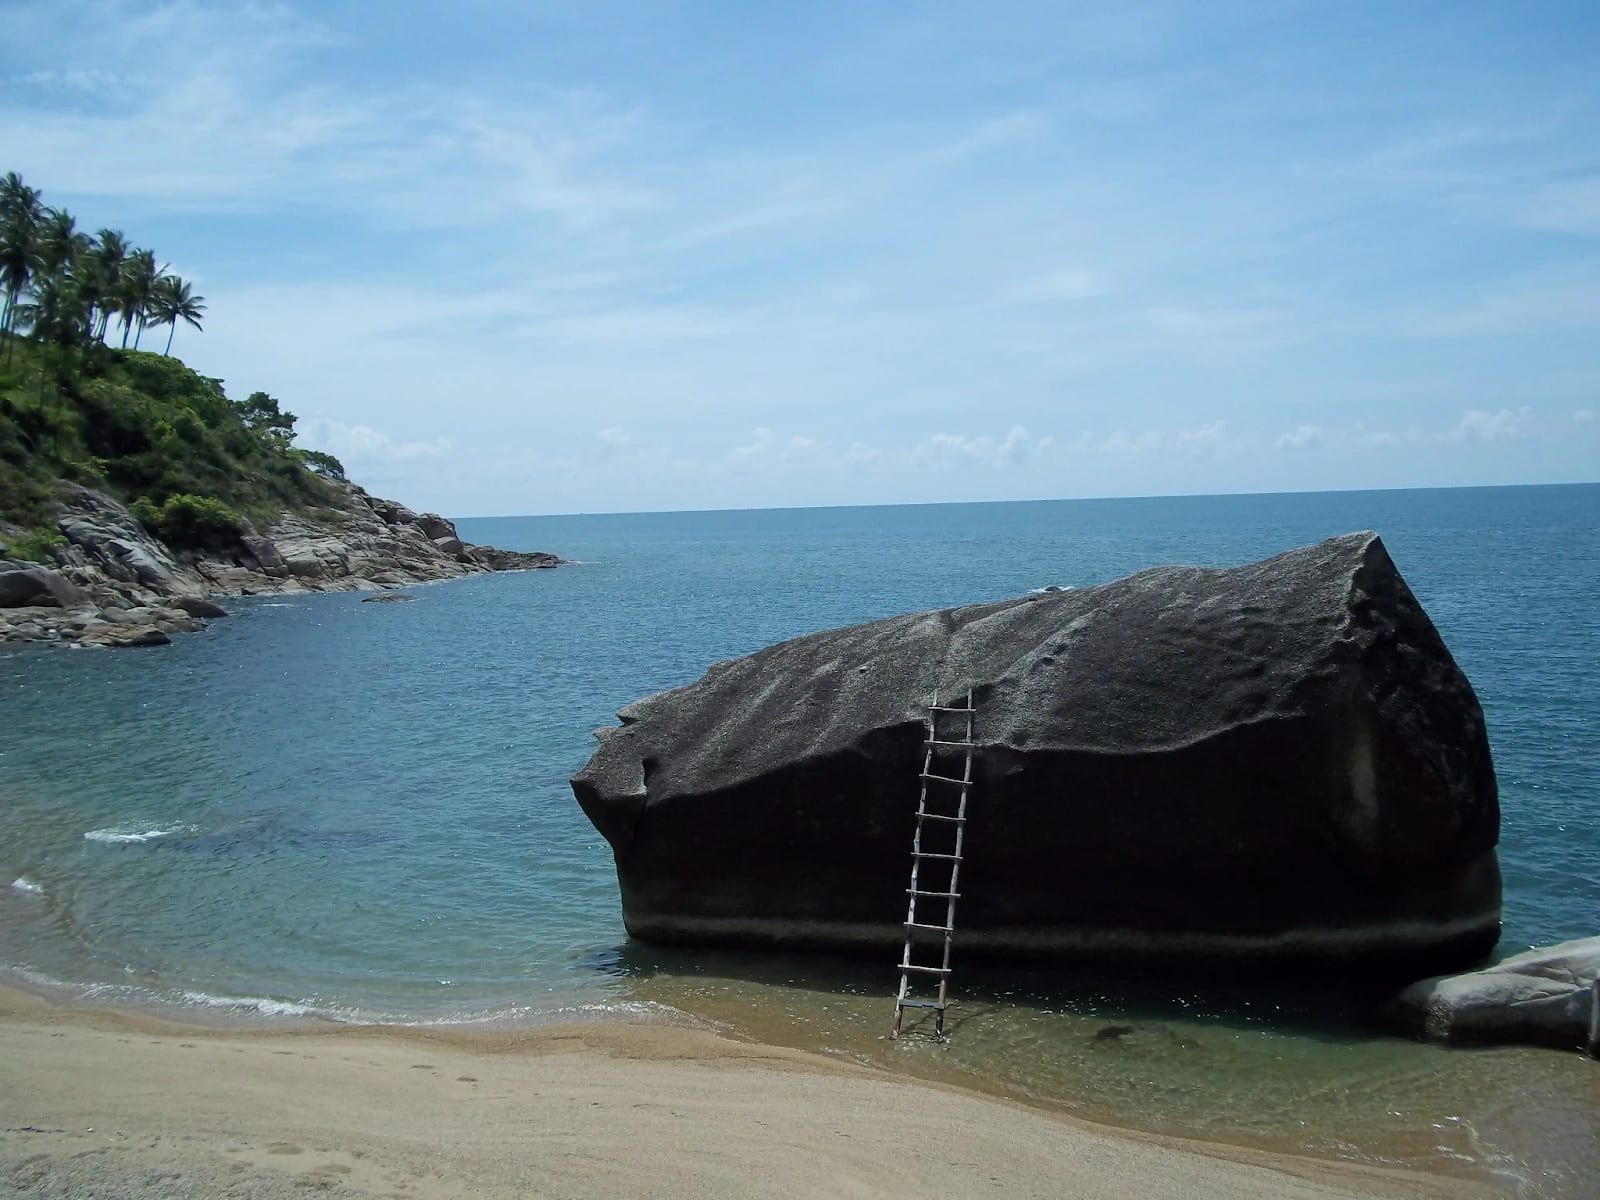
{"type": "Point", "coordinates": [264, 1005]}
{"type": "Point", "coordinates": [126, 834]}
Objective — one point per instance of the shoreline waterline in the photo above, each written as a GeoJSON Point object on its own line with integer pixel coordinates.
{"type": "Point", "coordinates": [1416, 1122]}
{"type": "Point", "coordinates": [697, 1059]}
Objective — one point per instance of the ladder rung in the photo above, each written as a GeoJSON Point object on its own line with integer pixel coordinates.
{"type": "Point", "coordinates": [946, 779]}
{"type": "Point", "coordinates": [905, 966]}
{"type": "Point", "coordinates": [945, 709]}
{"type": "Point", "coordinates": [921, 1004]}
{"type": "Point", "coordinates": [928, 816]}
{"type": "Point", "coordinates": [941, 744]}
{"type": "Point", "coordinates": [945, 895]}
{"type": "Point", "coordinates": [945, 857]}
{"type": "Point", "coordinates": [944, 929]}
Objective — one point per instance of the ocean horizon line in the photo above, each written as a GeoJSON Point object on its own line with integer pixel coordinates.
{"type": "Point", "coordinates": [918, 504]}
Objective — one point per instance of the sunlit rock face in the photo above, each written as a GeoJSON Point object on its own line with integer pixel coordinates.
{"type": "Point", "coordinates": [1272, 765]}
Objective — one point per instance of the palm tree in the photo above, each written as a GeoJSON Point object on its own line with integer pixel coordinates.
{"type": "Point", "coordinates": [20, 215]}
{"type": "Point", "coordinates": [14, 193]}
{"type": "Point", "coordinates": [172, 302]}
{"type": "Point", "coordinates": [56, 315]}
{"type": "Point", "coordinates": [139, 276]}
{"type": "Point", "coordinates": [106, 258]}
{"type": "Point", "coordinates": [60, 244]}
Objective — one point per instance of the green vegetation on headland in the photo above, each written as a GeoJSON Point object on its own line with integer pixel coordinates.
{"type": "Point", "coordinates": [192, 465]}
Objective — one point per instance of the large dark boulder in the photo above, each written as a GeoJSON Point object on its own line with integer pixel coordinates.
{"type": "Point", "coordinates": [1276, 764]}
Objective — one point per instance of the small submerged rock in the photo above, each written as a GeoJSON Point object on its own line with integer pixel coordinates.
{"type": "Point", "coordinates": [124, 637]}
{"type": "Point", "coordinates": [1112, 1033]}
{"type": "Point", "coordinates": [199, 606]}
{"type": "Point", "coordinates": [387, 598]}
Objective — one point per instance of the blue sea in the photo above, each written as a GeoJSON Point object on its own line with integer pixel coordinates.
{"type": "Point", "coordinates": [322, 810]}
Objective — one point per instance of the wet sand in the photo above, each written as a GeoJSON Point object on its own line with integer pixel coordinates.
{"type": "Point", "coordinates": [102, 1103]}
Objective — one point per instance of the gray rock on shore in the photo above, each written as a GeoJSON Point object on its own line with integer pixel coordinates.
{"type": "Point", "coordinates": [112, 573]}
{"type": "Point", "coordinates": [1271, 765]}
{"type": "Point", "coordinates": [1544, 997]}
{"type": "Point", "coordinates": [25, 586]}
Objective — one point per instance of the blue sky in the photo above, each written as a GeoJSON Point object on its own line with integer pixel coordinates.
{"type": "Point", "coordinates": [531, 257]}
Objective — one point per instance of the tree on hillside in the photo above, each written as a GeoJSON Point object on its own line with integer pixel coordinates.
{"type": "Point", "coordinates": [260, 412]}
{"type": "Point", "coordinates": [60, 244]}
{"type": "Point", "coordinates": [57, 316]}
{"type": "Point", "coordinates": [139, 276]}
{"type": "Point", "coordinates": [64, 289]}
{"type": "Point", "coordinates": [105, 263]}
{"type": "Point", "coordinates": [20, 215]}
{"type": "Point", "coordinates": [172, 302]}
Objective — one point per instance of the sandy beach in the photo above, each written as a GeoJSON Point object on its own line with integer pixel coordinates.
{"type": "Point", "coordinates": [113, 1104]}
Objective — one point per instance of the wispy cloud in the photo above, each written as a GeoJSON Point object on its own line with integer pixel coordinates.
{"type": "Point", "coordinates": [1473, 426]}
{"type": "Point", "coordinates": [1560, 297]}
{"type": "Point", "coordinates": [1569, 206]}
{"type": "Point", "coordinates": [1479, 425]}
{"type": "Point", "coordinates": [1303, 437]}
{"type": "Point", "coordinates": [364, 446]}
{"type": "Point", "coordinates": [1012, 448]}
{"type": "Point", "coordinates": [1214, 437]}
{"type": "Point", "coordinates": [227, 111]}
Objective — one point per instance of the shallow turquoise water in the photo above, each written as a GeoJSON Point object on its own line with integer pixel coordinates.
{"type": "Point", "coordinates": [362, 810]}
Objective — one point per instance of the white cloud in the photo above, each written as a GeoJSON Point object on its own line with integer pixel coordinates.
{"type": "Point", "coordinates": [1482, 426]}
{"type": "Point", "coordinates": [759, 444]}
{"type": "Point", "coordinates": [800, 447]}
{"type": "Point", "coordinates": [943, 449]}
{"type": "Point", "coordinates": [613, 441]}
{"type": "Point", "coordinates": [1304, 437]}
{"type": "Point", "coordinates": [1582, 416]}
{"type": "Point", "coordinates": [357, 445]}
{"type": "Point", "coordinates": [1383, 439]}
{"type": "Point", "coordinates": [1211, 438]}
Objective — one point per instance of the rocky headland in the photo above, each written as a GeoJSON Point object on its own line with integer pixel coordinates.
{"type": "Point", "coordinates": [111, 583]}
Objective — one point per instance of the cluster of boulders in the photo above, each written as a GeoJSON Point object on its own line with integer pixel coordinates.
{"type": "Point", "coordinates": [1269, 767]}
{"type": "Point", "coordinates": [112, 584]}
{"type": "Point", "coordinates": [367, 543]}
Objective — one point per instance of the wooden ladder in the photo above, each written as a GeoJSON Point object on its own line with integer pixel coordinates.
{"type": "Point", "coordinates": [939, 857]}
